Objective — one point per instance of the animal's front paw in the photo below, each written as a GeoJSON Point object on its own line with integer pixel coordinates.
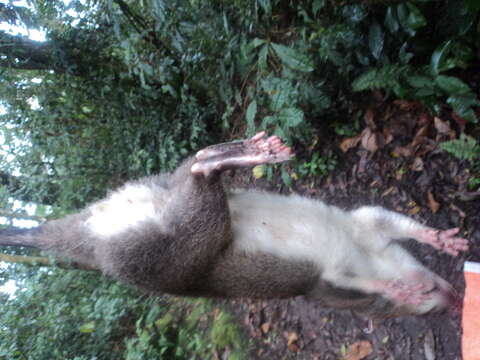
{"type": "Point", "coordinates": [268, 150]}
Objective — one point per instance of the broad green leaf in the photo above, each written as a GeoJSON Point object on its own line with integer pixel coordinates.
{"type": "Point", "coordinates": [317, 6]}
{"type": "Point", "coordinates": [87, 328]}
{"type": "Point", "coordinates": [403, 19]}
{"type": "Point", "coordinates": [419, 81]}
{"type": "Point", "coordinates": [452, 85]}
{"type": "Point", "coordinates": [424, 92]}
{"type": "Point", "coordinates": [287, 180]}
{"type": "Point", "coordinates": [268, 120]}
{"type": "Point", "coordinates": [293, 58]}
{"type": "Point", "coordinates": [262, 57]}
{"type": "Point", "coordinates": [291, 117]}
{"type": "Point", "coordinates": [437, 60]}
{"type": "Point", "coordinates": [391, 21]}
{"type": "Point", "coordinates": [375, 40]}
{"type": "Point", "coordinates": [250, 116]}
{"type": "Point", "coordinates": [462, 105]}
{"type": "Point", "coordinates": [257, 42]}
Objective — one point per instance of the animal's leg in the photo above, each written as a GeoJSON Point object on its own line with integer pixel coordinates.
{"type": "Point", "coordinates": [390, 226]}
{"type": "Point", "coordinates": [415, 290]}
{"type": "Point", "coordinates": [176, 251]}
{"type": "Point", "coordinates": [246, 153]}
{"type": "Point", "coordinates": [394, 290]}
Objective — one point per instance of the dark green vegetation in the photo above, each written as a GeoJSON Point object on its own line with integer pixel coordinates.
{"type": "Point", "coordinates": [123, 89]}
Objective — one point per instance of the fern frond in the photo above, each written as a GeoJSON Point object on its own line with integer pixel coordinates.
{"type": "Point", "coordinates": [464, 148]}
{"type": "Point", "coordinates": [385, 77]}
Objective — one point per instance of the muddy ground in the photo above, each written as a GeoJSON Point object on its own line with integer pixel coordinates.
{"type": "Point", "coordinates": [395, 162]}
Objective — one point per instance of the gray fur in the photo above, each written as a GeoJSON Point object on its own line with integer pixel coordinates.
{"type": "Point", "coordinates": [190, 247]}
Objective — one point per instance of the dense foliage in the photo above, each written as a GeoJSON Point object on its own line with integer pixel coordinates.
{"type": "Point", "coordinates": [123, 88]}
{"type": "Point", "coordinates": [158, 79]}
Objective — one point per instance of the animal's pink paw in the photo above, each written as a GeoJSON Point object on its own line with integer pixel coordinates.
{"type": "Point", "coordinates": [445, 240]}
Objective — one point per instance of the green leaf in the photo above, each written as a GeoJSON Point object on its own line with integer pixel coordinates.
{"type": "Point", "coordinates": [268, 120]}
{"type": "Point", "coordinates": [403, 55]}
{"type": "Point", "coordinates": [419, 81]}
{"type": "Point", "coordinates": [257, 42]}
{"type": "Point", "coordinates": [291, 117]}
{"type": "Point", "coordinates": [262, 57]}
{"type": "Point", "coordinates": [462, 105]}
{"type": "Point", "coordinates": [465, 148]}
{"type": "Point", "coordinates": [266, 6]}
{"type": "Point", "coordinates": [403, 19]}
{"type": "Point", "coordinates": [87, 328]}
{"type": "Point", "coordinates": [317, 6]}
{"type": "Point", "coordinates": [375, 40]}
{"type": "Point", "coordinates": [452, 85]}
{"type": "Point", "coordinates": [250, 116]}
{"type": "Point", "coordinates": [416, 19]}
{"type": "Point", "coordinates": [292, 58]}
{"type": "Point", "coordinates": [437, 60]}
{"type": "Point", "coordinates": [287, 180]}
{"type": "Point", "coordinates": [391, 21]}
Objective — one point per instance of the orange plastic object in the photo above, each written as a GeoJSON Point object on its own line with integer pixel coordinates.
{"type": "Point", "coordinates": [471, 312]}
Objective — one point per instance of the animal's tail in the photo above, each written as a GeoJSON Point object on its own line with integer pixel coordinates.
{"type": "Point", "coordinates": [20, 237]}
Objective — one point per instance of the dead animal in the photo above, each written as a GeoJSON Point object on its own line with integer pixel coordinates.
{"type": "Point", "coordinates": [183, 234]}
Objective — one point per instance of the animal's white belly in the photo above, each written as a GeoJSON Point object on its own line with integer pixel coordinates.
{"type": "Point", "coordinates": [289, 226]}
{"type": "Point", "coordinates": [124, 209]}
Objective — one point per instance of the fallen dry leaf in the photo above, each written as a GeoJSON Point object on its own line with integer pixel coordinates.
{"type": "Point", "coordinates": [467, 195]}
{"type": "Point", "coordinates": [443, 127]}
{"type": "Point", "coordinates": [432, 203]}
{"type": "Point", "coordinates": [349, 143]}
{"type": "Point", "coordinates": [291, 338]}
{"type": "Point", "coordinates": [369, 140]}
{"type": "Point", "coordinates": [419, 138]}
{"type": "Point", "coordinates": [405, 151]}
{"type": "Point", "coordinates": [389, 191]}
{"type": "Point", "coordinates": [415, 210]}
{"type": "Point", "coordinates": [417, 164]}
{"type": "Point", "coordinates": [359, 350]}
{"type": "Point", "coordinates": [387, 136]}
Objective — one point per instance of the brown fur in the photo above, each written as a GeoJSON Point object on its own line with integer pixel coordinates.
{"type": "Point", "coordinates": [191, 250]}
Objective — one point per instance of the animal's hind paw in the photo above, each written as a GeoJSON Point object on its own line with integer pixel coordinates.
{"type": "Point", "coordinates": [444, 240]}
{"type": "Point", "coordinates": [402, 293]}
